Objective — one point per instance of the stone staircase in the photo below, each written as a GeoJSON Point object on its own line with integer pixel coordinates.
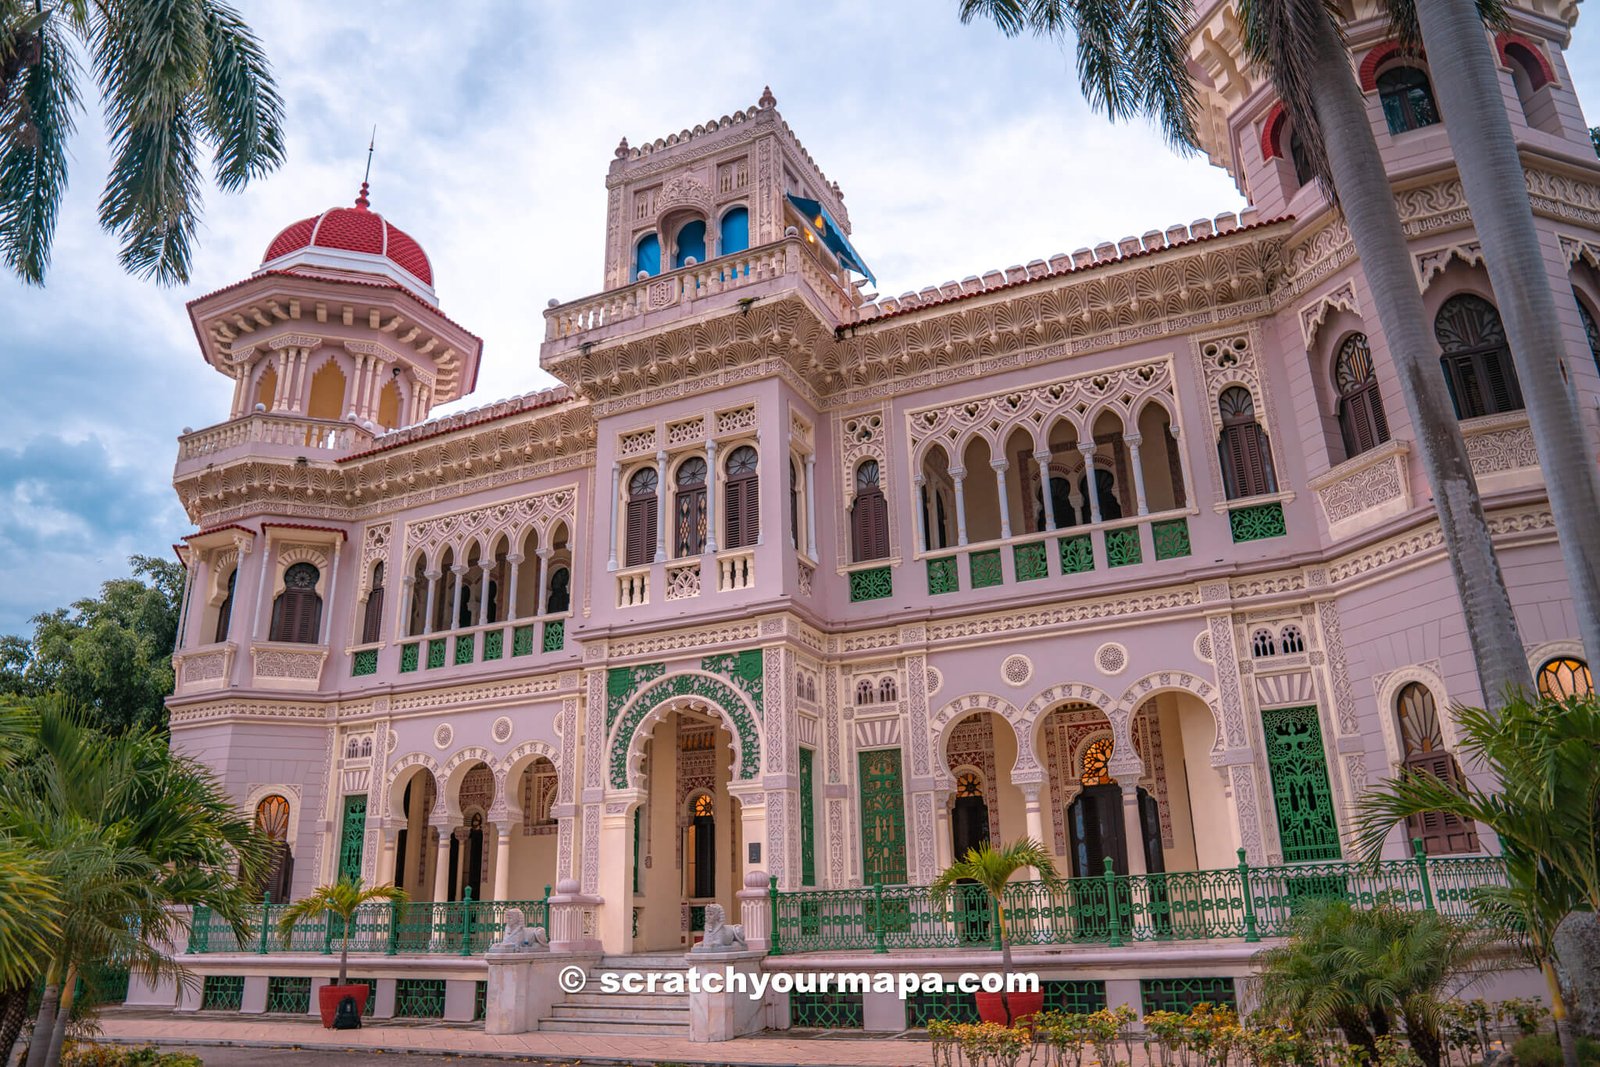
{"type": "Point", "coordinates": [595, 1012]}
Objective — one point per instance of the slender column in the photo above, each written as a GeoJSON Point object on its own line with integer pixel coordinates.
{"type": "Point", "coordinates": [441, 866]}
{"type": "Point", "coordinates": [711, 497]}
{"type": "Point", "coordinates": [544, 579]}
{"type": "Point", "coordinates": [502, 861]}
{"type": "Point", "coordinates": [483, 590]}
{"type": "Point", "coordinates": [761, 527]}
{"type": "Point", "coordinates": [616, 496]}
{"type": "Point", "coordinates": [460, 572]}
{"type": "Point", "coordinates": [811, 505]}
{"type": "Point", "coordinates": [1042, 457]}
{"type": "Point", "coordinates": [662, 515]}
{"type": "Point", "coordinates": [1091, 482]}
{"type": "Point", "coordinates": [357, 390]}
{"type": "Point", "coordinates": [1133, 441]}
{"type": "Point", "coordinates": [391, 835]}
{"type": "Point", "coordinates": [959, 475]}
{"type": "Point", "coordinates": [515, 559]}
{"type": "Point", "coordinates": [328, 601]}
{"type": "Point", "coordinates": [944, 848]}
{"type": "Point", "coordinates": [240, 374]}
{"type": "Point", "coordinates": [1000, 467]}
{"type": "Point", "coordinates": [192, 563]}
{"type": "Point", "coordinates": [408, 603]}
{"type": "Point", "coordinates": [1034, 816]}
{"type": "Point", "coordinates": [919, 485]}
{"type": "Point", "coordinates": [300, 359]}
{"type": "Point", "coordinates": [433, 588]}
{"type": "Point", "coordinates": [262, 610]}
{"type": "Point", "coordinates": [1133, 829]}
{"type": "Point", "coordinates": [280, 392]}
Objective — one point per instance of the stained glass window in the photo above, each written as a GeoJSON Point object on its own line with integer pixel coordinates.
{"type": "Point", "coordinates": [1096, 759]}
{"type": "Point", "coordinates": [969, 784]}
{"type": "Point", "coordinates": [1565, 676]}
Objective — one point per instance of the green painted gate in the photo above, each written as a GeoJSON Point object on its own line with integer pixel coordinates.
{"type": "Point", "coordinates": [808, 819]}
{"type": "Point", "coordinates": [883, 818]}
{"type": "Point", "coordinates": [1300, 790]}
{"type": "Point", "coordinates": [352, 835]}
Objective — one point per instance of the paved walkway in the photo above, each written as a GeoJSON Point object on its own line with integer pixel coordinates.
{"type": "Point", "coordinates": [811, 1049]}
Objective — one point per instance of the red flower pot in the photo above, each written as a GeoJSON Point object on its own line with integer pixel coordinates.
{"type": "Point", "coordinates": [329, 996]}
{"type": "Point", "coordinates": [992, 1007]}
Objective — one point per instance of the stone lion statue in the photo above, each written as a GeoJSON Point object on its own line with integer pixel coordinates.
{"type": "Point", "coordinates": [517, 936]}
{"type": "Point", "coordinates": [719, 935]}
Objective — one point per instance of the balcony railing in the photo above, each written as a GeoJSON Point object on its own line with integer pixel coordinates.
{"type": "Point", "coordinates": [291, 431]}
{"type": "Point", "coordinates": [473, 644]}
{"type": "Point", "coordinates": [1244, 902]}
{"type": "Point", "coordinates": [462, 928]}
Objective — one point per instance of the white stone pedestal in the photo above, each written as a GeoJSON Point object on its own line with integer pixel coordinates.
{"type": "Point", "coordinates": [728, 1013]}
{"type": "Point", "coordinates": [524, 986]}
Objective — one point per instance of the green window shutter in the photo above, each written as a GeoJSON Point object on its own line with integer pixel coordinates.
{"type": "Point", "coordinates": [352, 835]}
{"type": "Point", "coordinates": [1300, 790]}
{"type": "Point", "coordinates": [883, 817]}
{"type": "Point", "coordinates": [808, 825]}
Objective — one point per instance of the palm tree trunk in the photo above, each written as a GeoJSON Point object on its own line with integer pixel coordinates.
{"type": "Point", "coordinates": [44, 1023]}
{"type": "Point", "coordinates": [1474, 111]}
{"type": "Point", "coordinates": [1558, 1015]}
{"type": "Point", "coordinates": [58, 1032]}
{"type": "Point", "coordinates": [15, 1013]}
{"type": "Point", "coordinates": [344, 958]}
{"type": "Point", "coordinates": [1368, 205]}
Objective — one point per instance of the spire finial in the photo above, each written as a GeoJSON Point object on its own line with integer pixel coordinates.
{"type": "Point", "coordinates": [622, 149]}
{"type": "Point", "coordinates": [362, 201]}
{"type": "Point", "coordinates": [767, 99]}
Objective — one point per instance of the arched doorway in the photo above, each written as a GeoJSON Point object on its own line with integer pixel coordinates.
{"type": "Point", "coordinates": [414, 841]}
{"type": "Point", "coordinates": [467, 868]}
{"type": "Point", "coordinates": [272, 819]}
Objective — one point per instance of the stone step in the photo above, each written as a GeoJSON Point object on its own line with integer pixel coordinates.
{"type": "Point", "coordinates": [585, 1026]}
{"type": "Point", "coordinates": [661, 1013]}
{"type": "Point", "coordinates": [614, 1001]}
{"type": "Point", "coordinates": [643, 963]}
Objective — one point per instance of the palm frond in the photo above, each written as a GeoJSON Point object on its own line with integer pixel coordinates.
{"type": "Point", "coordinates": [1158, 53]}
{"type": "Point", "coordinates": [243, 113]}
{"type": "Point", "coordinates": [36, 123]}
{"type": "Point", "coordinates": [1283, 37]}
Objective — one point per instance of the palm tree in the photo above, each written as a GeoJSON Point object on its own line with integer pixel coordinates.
{"type": "Point", "coordinates": [176, 76]}
{"type": "Point", "coordinates": [992, 869]}
{"type": "Point", "coordinates": [1365, 970]}
{"type": "Point", "coordinates": [29, 902]}
{"type": "Point", "coordinates": [340, 900]}
{"type": "Point", "coordinates": [1131, 61]}
{"type": "Point", "coordinates": [1474, 111]}
{"type": "Point", "coordinates": [1545, 810]}
{"type": "Point", "coordinates": [123, 829]}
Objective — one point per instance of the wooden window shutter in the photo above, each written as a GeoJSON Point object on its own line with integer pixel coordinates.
{"type": "Point", "coordinates": [641, 531]}
{"type": "Point", "coordinates": [751, 527]}
{"type": "Point", "coordinates": [1441, 833]}
{"type": "Point", "coordinates": [225, 610]}
{"type": "Point", "coordinates": [869, 526]}
{"type": "Point", "coordinates": [373, 621]}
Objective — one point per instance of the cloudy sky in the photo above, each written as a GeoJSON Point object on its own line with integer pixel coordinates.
{"type": "Point", "coordinates": [958, 151]}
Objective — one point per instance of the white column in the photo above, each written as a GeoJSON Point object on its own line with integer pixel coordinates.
{"type": "Point", "coordinates": [544, 579]}
{"type": "Point", "coordinates": [1042, 457]}
{"type": "Point", "coordinates": [616, 496]}
{"type": "Point", "coordinates": [1133, 440]}
{"type": "Point", "coordinates": [918, 485]}
{"type": "Point", "coordinates": [241, 374]}
{"type": "Point", "coordinates": [460, 572]}
{"type": "Point", "coordinates": [515, 559]}
{"type": "Point", "coordinates": [711, 498]}
{"type": "Point", "coordinates": [483, 590]}
{"type": "Point", "coordinates": [441, 866]}
{"type": "Point", "coordinates": [262, 610]}
{"type": "Point", "coordinates": [1000, 467]}
{"type": "Point", "coordinates": [811, 505]}
{"type": "Point", "coordinates": [386, 859]}
{"type": "Point", "coordinates": [408, 603]}
{"type": "Point", "coordinates": [280, 392]}
{"type": "Point", "coordinates": [502, 861]}
{"type": "Point", "coordinates": [1091, 484]}
{"type": "Point", "coordinates": [662, 515]}
{"type": "Point", "coordinates": [1034, 817]}
{"type": "Point", "coordinates": [433, 588]}
{"type": "Point", "coordinates": [959, 475]}
{"type": "Point", "coordinates": [328, 601]}
{"type": "Point", "coordinates": [300, 361]}
{"type": "Point", "coordinates": [1133, 829]}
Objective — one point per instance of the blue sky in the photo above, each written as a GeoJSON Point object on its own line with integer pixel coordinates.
{"type": "Point", "coordinates": [959, 151]}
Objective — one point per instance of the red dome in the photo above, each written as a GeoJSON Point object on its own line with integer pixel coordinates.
{"type": "Point", "coordinates": [354, 229]}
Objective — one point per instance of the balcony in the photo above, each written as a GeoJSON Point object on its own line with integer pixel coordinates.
{"type": "Point", "coordinates": [722, 283]}
{"type": "Point", "coordinates": [203, 669]}
{"type": "Point", "coordinates": [1365, 491]}
{"type": "Point", "coordinates": [489, 643]}
{"type": "Point", "coordinates": [289, 436]}
{"type": "Point", "coordinates": [729, 571]}
{"type": "Point", "coordinates": [286, 665]}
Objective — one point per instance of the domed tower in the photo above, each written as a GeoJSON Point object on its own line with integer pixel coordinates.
{"type": "Point", "coordinates": [340, 328]}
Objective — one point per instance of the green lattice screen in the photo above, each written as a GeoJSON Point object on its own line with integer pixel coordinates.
{"type": "Point", "coordinates": [1073, 996]}
{"type": "Point", "coordinates": [352, 835]}
{"type": "Point", "coordinates": [1182, 994]}
{"type": "Point", "coordinates": [945, 1005]}
{"type": "Point", "coordinates": [289, 994]}
{"type": "Point", "coordinates": [826, 1011]}
{"type": "Point", "coordinates": [419, 998]}
{"type": "Point", "coordinates": [222, 992]}
{"type": "Point", "coordinates": [883, 818]}
{"type": "Point", "coordinates": [638, 877]}
{"type": "Point", "coordinates": [1300, 791]}
{"type": "Point", "coordinates": [808, 820]}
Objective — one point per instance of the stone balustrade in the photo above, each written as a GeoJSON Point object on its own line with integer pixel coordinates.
{"type": "Point", "coordinates": [290, 431]}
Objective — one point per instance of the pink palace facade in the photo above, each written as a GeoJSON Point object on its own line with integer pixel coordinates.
{"type": "Point", "coordinates": [793, 586]}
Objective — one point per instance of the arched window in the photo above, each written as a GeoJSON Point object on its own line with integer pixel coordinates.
{"type": "Point", "coordinates": [1407, 99]}
{"type": "Point", "coordinates": [1565, 676]}
{"type": "Point", "coordinates": [1591, 332]}
{"type": "Point", "coordinates": [1423, 752]}
{"type": "Point", "coordinates": [1361, 418]}
{"type": "Point", "coordinates": [647, 256]}
{"type": "Point", "coordinates": [1528, 75]}
{"type": "Point", "coordinates": [1097, 763]}
{"type": "Point", "coordinates": [691, 244]}
{"type": "Point", "coordinates": [864, 691]}
{"type": "Point", "coordinates": [741, 504]}
{"type": "Point", "coordinates": [225, 609]}
{"type": "Point", "coordinates": [794, 504]}
{"type": "Point", "coordinates": [297, 612]}
{"type": "Point", "coordinates": [888, 692]}
{"type": "Point", "coordinates": [689, 509]}
{"type": "Point", "coordinates": [1262, 643]}
{"type": "Point", "coordinates": [1300, 158]}
{"type": "Point", "coordinates": [1105, 489]}
{"type": "Point", "coordinates": [1245, 452]}
{"type": "Point", "coordinates": [559, 597]}
{"type": "Point", "coordinates": [272, 820]}
{"type": "Point", "coordinates": [735, 231]}
{"type": "Point", "coordinates": [1291, 640]}
{"type": "Point", "coordinates": [642, 517]}
{"type": "Point", "coordinates": [869, 515]}
{"type": "Point", "coordinates": [1477, 359]}
{"type": "Point", "coordinates": [372, 621]}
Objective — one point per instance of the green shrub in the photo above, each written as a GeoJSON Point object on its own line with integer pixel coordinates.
{"type": "Point", "coordinates": [1543, 1050]}
{"type": "Point", "coordinates": [92, 1055]}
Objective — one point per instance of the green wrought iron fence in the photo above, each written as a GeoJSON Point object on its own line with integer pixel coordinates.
{"type": "Point", "coordinates": [1242, 902]}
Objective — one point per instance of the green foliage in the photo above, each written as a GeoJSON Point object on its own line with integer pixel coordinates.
{"type": "Point", "coordinates": [992, 868]}
{"type": "Point", "coordinates": [341, 900]}
{"type": "Point", "coordinates": [1543, 1050]}
{"type": "Point", "coordinates": [1594, 138]}
{"type": "Point", "coordinates": [94, 1055]}
{"type": "Point", "coordinates": [110, 654]}
{"type": "Point", "coordinates": [176, 77]}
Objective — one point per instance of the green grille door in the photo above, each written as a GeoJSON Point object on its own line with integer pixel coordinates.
{"type": "Point", "coordinates": [352, 836]}
{"type": "Point", "coordinates": [808, 821]}
{"type": "Point", "coordinates": [883, 818]}
{"type": "Point", "coordinates": [1300, 788]}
